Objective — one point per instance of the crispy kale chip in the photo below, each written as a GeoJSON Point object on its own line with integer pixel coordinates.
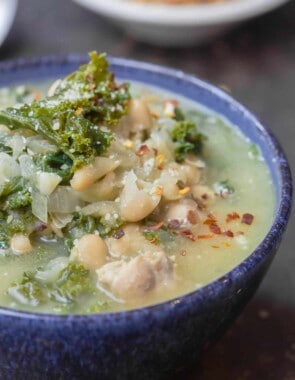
{"type": "Point", "coordinates": [186, 139]}
{"type": "Point", "coordinates": [73, 117]}
{"type": "Point", "coordinates": [58, 163]}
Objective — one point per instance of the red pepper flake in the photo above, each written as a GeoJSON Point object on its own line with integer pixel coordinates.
{"type": "Point", "coordinates": [180, 184]}
{"type": "Point", "coordinates": [171, 101]}
{"type": "Point", "coordinates": [215, 229]}
{"type": "Point", "coordinates": [208, 222]}
{"type": "Point", "coordinates": [89, 78]}
{"type": "Point", "coordinates": [174, 224]}
{"type": "Point", "coordinates": [37, 95]}
{"type": "Point", "coordinates": [201, 206]}
{"type": "Point", "coordinates": [154, 227]}
{"type": "Point", "coordinates": [247, 219]}
{"type": "Point", "coordinates": [155, 115]}
{"type": "Point", "coordinates": [183, 252]}
{"type": "Point", "coordinates": [188, 234]}
{"type": "Point", "coordinates": [192, 217]}
{"type": "Point", "coordinates": [233, 216]}
{"type": "Point", "coordinates": [118, 234]}
{"type": "Point", "coordinates": [205, 236]}
{"type": "Point", "coordinates": [205, 196]}
{"type": "Point", "coordinates": [228, 233]}
{"type": "Point", "coordinates": [143, 149]}
{"type": "Point", "coordinates": [123, 86]}
{"type": "Point", "coordinates": [96, 100]}
{"type": "Point", "coordinates": [154, 241]}
{"type": "Point", "coordinates": [212, 216]}
{"type": "Point", "coordinates": [226, 244]}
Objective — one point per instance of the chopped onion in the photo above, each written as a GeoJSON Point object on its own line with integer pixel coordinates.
{"type": "Point", "coordinates": [39, 145]}
{"type": "Point", "coordinates": [63, 200]}
{"type": "Point", "coordinates": [39, 206]}
{"type": "Point", "coordinates": [52, 269]}
{"type": "Point", "coordinates": [53, 87]}
{"type": "Point", "coordinates": [17, 143]}
{"type": "Point", "coordinates": [101, 208]}
{"type": "Point", "coordinates": [27, 166]}
{"type": "Point", "coordinates": [9, 168]}
{"type": "Point", "coordinates": [47, 182]}
{"type": "Point", "coordinates": [61, 220]}
{"type": "Point", "coordinates": [161, 140]}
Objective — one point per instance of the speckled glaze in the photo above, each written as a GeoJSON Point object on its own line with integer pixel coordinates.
{"type": "Point", "coordinates": [152, 342]}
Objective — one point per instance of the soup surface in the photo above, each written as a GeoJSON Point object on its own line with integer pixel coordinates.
{"type": "Point", "coordinates": [114, 198]}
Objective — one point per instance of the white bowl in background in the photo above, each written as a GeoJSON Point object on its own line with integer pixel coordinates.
{"type": "Point", "coordinates": [178, 25]}
{"type": "Point", "coordinates": [7, 14]}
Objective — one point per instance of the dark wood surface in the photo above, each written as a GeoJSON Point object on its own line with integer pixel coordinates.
{"type": "Point", "coordinates": [257, 62]}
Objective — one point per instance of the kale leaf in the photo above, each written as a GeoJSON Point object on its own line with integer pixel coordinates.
{"type": "Point", "coordinates": [72, 281]}
{"type": "Point", "coordinates": [58, 163]}
{"type": "Point", "coordinates": [72, 118]}
{"type": "Point", "coordinates": [16, 194]}
{"type": "Point", "coordinates": [28, 291]}
{"type": "Point", "coordinates": [19, 199]}
{"type": "Point", "coordinates": [186, 139]}
{"type": "Point", "coordinates": [79, 226]}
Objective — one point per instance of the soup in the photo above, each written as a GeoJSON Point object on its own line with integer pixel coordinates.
{"type": "Point", "coordinates": [116, 196]}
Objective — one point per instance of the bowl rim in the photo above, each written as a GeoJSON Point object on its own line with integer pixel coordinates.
{"type": "Point", "coordinates": [216, 287]}
{"type": "Point", "coordinates": [181, 15]}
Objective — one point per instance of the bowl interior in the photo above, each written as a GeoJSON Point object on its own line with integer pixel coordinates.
{"type": "Point", "coordinates": [51, 67]}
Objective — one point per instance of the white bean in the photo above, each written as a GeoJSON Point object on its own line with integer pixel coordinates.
{"type": "Point", "coordinates": [83, 178]}
{"type": "Point", "coordinates": [139, 115]}
{"type": "Point", "coordinates": [20, 244]}
{"type": "Point", "coordinates": [136, 204]}
{"type": "Point", "coordinates": [105, 189]}
{"type": "Point", "coordinates": [129, 244]}
{"type": "Point", "coordinates": [192, 174]}
{"type": "Point", "coordinates": [91, 251]}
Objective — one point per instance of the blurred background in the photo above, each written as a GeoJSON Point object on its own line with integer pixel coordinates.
{"type": "Point", "coordinates": [255, 61]}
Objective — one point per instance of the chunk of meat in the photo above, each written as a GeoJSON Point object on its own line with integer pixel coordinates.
{"type": "Point", "coordinates": [128, 280]}
{"type": "Point", "coordinates": [162, 267]}
{"type": "Point", "coordinates": [140, 275]}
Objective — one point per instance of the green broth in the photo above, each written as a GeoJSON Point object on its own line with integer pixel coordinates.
{"type": "Point", "coordinates": [228, 156]}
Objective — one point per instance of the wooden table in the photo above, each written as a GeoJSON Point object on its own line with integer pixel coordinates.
{"type": "Point", "coordinates": [257, 62]}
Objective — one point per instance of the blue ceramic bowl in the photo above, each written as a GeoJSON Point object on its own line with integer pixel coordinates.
{"type": "Point", "coordinates": [148, 343]}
